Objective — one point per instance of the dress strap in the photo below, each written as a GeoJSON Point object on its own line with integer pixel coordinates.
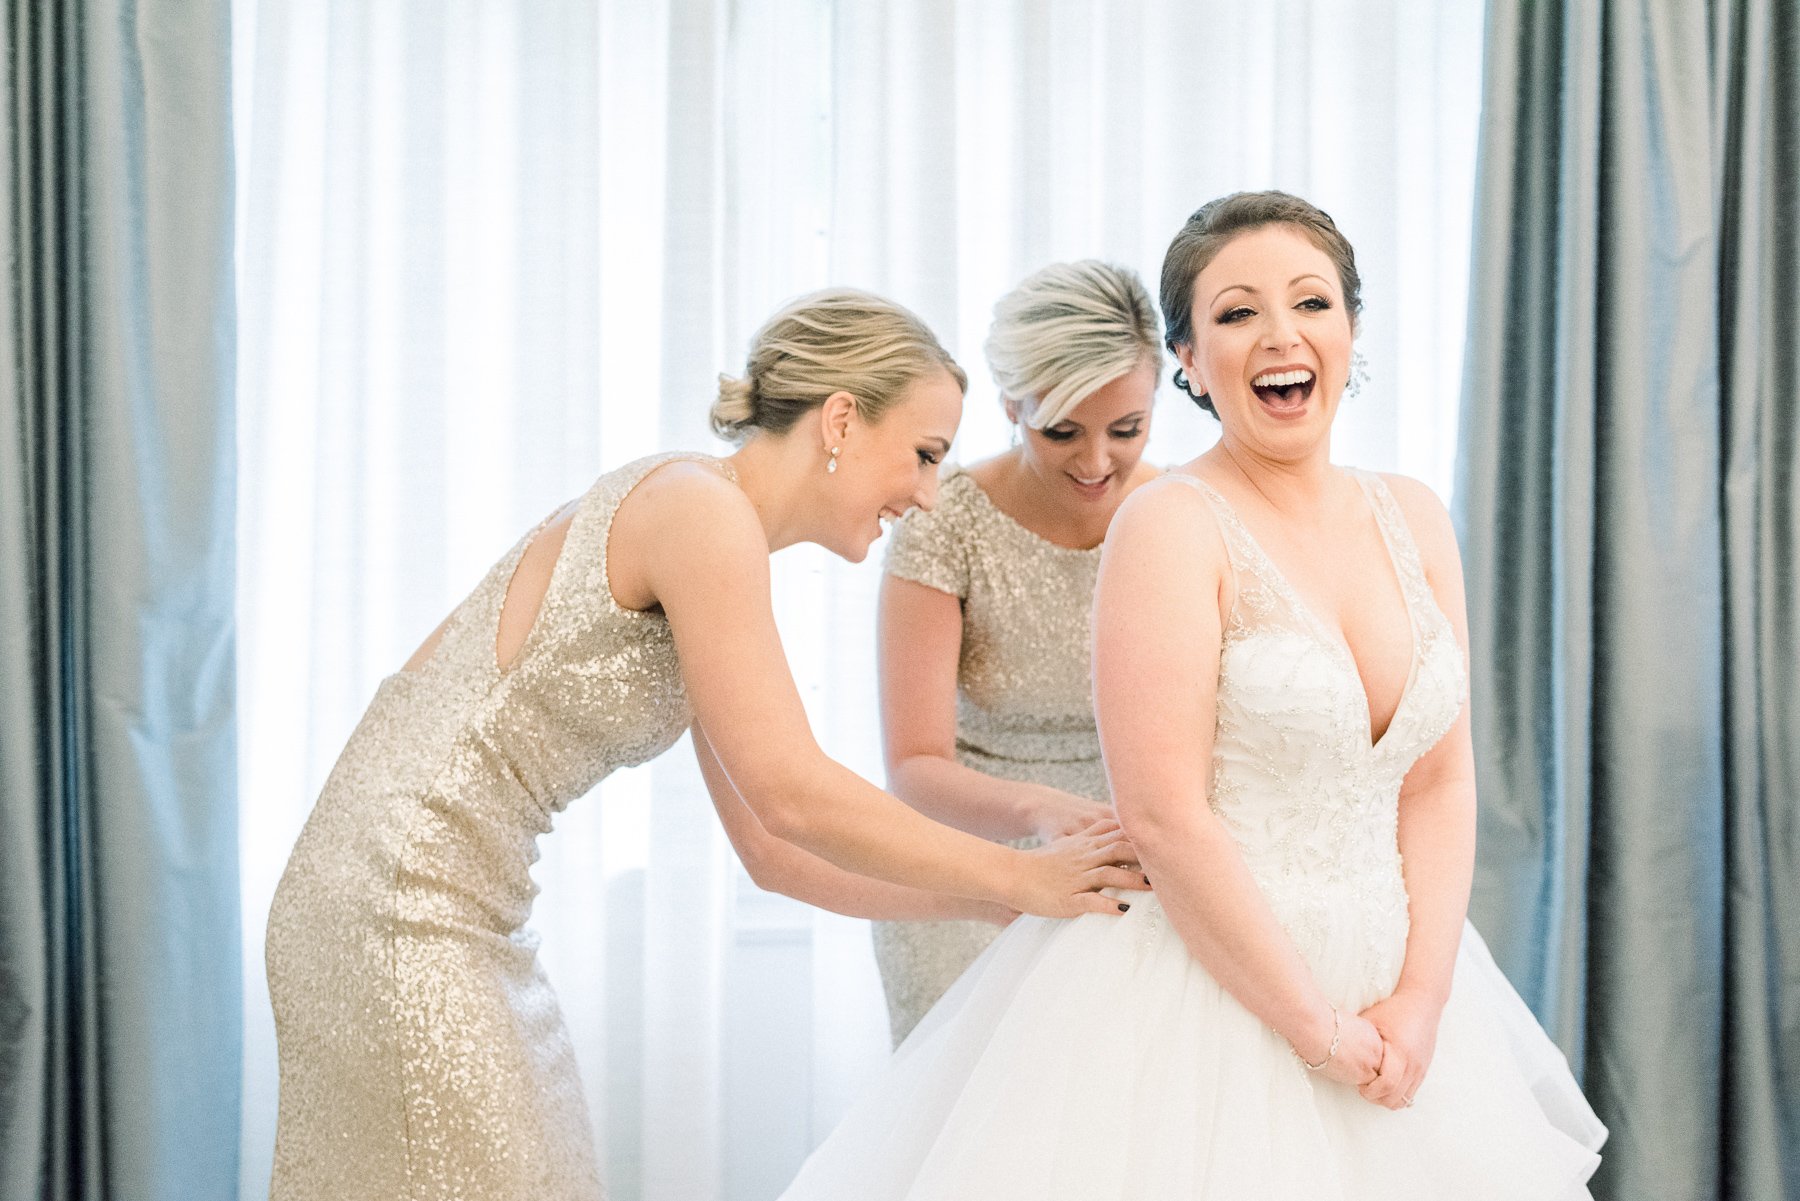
{"type": "Point", "coordinates": [585, 546]}
{"type": "Point", "coordinates": [1262, 598]}
{"type": "Point", "coordinates": [1265, 596]}
{"type": "Point", "coordinates": [1399, 540]}
{"type": "Point", "coordinates": [1240, 547]}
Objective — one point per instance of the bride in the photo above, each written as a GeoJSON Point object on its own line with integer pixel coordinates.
{"type": "Point", "coordinates": [1300, 1011]}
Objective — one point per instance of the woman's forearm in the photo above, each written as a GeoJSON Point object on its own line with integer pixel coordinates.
{"type": "Point", "coordinates": [946, 791]}
{"type": "Point", "coordinates": [782, 867]}
{"type": "Point", "coordinates": [1215, 904]}
{"type": "Point", "coordinates": [1437, 850]}
{"type": "Point", "coordinates": [842, 818]}
{"type": "Point", "coordinates": [941, 860]}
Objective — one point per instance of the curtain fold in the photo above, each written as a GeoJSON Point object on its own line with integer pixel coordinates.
{"type": "Point", "coordinates": [1627, 507]}
{"type": "Point", "coordinates": [1756, 69]}
{"type": "Point", "coordinates": [119, 1002]}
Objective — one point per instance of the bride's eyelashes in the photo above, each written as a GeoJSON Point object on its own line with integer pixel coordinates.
{"type": "Point", "coordinates": [1237, 313]}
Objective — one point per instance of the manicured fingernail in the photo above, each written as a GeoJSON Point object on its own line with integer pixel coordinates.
{"type": "Point", "coordinates": [1124, 908]}
{"type": "Point", "coordinates": [1146, 881]}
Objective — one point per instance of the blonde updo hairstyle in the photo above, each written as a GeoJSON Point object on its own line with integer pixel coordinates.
{"type": "Point", "coordinates": [1065, 332]}
{"type": "Point", "coordinates": [837, 340]}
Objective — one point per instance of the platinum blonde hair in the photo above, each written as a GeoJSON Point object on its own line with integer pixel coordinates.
{"type": "Point", "coordinates": [1065, 332]}
{"type": "Point", "coordinates": [838, 340]}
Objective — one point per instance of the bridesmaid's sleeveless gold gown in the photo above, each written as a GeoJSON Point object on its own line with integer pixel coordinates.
{"type": "Point", "coordinates": [422, 1052]}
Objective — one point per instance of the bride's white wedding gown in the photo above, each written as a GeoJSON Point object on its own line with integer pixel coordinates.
{"type": "Point", "coordinates": [1094, 1058]}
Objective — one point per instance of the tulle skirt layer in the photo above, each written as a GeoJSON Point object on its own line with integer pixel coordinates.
{"type": "Point", "coordinates": [1094, 1059]}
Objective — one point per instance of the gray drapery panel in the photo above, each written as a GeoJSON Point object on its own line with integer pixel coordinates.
{"type": "Point", "coordinates": [1628, 513]}
{"type": "Point", "coordinates": [119, 976]}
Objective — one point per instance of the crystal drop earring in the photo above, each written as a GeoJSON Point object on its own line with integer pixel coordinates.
{"type": "Point", "coordinates": [1359, 374]}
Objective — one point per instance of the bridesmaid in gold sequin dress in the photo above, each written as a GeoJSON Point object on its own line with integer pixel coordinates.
{"type": "Point", "coordinates": [422, 1053]}
{"type": "Point", "coordinates": [987, 704]}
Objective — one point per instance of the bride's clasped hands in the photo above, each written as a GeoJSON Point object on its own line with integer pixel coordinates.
{"type": "Point", "coordinates": [1406, 1022]}
{"type": "Point", "coordinates": [1383, 1052]}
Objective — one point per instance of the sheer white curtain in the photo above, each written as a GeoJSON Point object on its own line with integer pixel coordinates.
{"type": "Point", "coordinates": [490, 248]}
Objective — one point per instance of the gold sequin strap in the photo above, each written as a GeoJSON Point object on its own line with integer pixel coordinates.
{"type": "Point", "coordinates": [590, 531]}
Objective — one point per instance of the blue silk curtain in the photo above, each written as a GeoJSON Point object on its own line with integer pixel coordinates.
{"type": "Point", "coordinates": [1631, 528]}
{"type": "Point", "coordinates": [119, 975]}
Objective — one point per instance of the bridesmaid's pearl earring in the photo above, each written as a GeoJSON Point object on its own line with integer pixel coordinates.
{"type": "Point", "coordinates": [831, 463]}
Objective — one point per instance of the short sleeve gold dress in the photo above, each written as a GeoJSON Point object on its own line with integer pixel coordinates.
{"type": "Point", "coordinates": [1024, 703]}
{"type": "Point", "coordinates": [422, 1052]}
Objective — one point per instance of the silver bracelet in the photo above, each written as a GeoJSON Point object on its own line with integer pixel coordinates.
{"type": "Point", "coordinates": [1337, 1034]}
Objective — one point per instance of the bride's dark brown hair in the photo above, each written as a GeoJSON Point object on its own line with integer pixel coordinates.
{"type": "Point", "coordinates": [1217, 222]}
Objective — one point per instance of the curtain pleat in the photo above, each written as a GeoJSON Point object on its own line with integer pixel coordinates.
{"type": "Point", "coordinates": [119, 1003]}
{"type": "Point", "coordinates": [1756, 65]}
{"type": "Point", "coordinates": [1624, 481]}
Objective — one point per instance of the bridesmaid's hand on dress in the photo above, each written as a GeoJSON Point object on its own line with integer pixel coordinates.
{"type": "Point", "coordinates": [1058, 814]}
{"type": "Point", "coordinates": [1064, 878]}
{"type": "Point", "coordinates": [1408, 1023]}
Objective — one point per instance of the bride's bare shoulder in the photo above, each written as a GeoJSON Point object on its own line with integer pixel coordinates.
{"type": "Point", "coordinates": [1170, 513]}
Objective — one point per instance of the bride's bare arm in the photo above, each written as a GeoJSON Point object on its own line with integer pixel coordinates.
{"type": "Point", "coordinates": [1157, 637]}
{"type": "Point", "coordinates": [1436, 832]}
{"type": "Point", "coordinates": [689, 541]}
{"type": "Point", "coordinates": [782, 867]}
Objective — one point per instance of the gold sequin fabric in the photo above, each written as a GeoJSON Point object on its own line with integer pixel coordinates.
{"type": "Point", "coordinates": [422, 1052]}
{"type": "Point", "coordinates": [1024, 697]}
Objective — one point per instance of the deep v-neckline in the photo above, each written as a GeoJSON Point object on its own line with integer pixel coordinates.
{"type": "Point", "coordinates": [1330, 636]}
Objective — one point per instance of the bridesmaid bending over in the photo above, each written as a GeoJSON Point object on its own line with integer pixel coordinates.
{"type": "Point", "coordinates": [422, 1053]}
{"type": "Point", "coordinates": [986, 701]}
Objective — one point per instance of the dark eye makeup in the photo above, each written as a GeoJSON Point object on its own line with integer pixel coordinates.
{"type": "Point", "coordinates": [1231, 316]}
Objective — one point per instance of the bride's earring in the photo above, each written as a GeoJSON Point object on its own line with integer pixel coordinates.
{"type": "Point", "coordinates": [1359, 374]}
{"type": "Point", "coordinates": [831, 463]}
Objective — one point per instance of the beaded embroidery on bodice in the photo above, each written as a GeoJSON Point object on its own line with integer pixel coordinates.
{"type": "Point", "coordinates": [1311, 802]}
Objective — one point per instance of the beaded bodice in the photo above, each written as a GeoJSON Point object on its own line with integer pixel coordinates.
{"type": "Point", "coordinates": [1312, 803]}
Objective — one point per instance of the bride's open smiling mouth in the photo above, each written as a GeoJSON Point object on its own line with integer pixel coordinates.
{"type": "Point", "coordinates": [1284, 391]}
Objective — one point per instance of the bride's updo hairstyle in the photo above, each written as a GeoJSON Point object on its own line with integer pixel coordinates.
{"type": "Point", "coordinates": [1218, 222]}
{"type": "Point", "coordinates": [1065, 332]}
{"type": "Point", "coordinates": [838, 340]}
